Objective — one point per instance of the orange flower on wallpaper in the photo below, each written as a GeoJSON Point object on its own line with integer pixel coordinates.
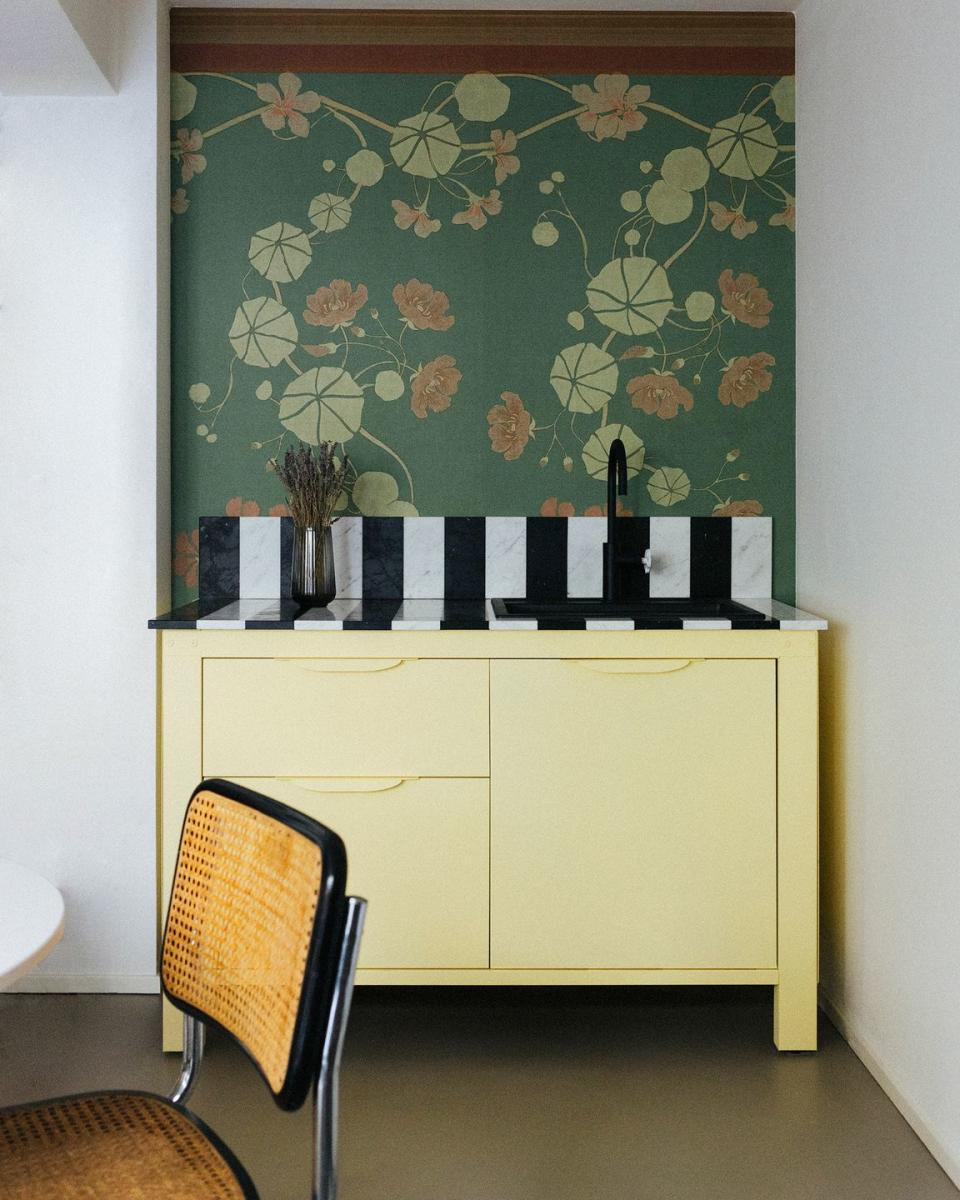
{"type": "Point", "coordinates": [279, 510]}
{"type": "Point", "coordinates": [510, 426]}
{"type": "Point", "coordinates": [505, 162]}
{"type": "Point", "coordinates": [738, 508]}
{"type": "Point", "coordinates": [745, 379]}
{"type": "Point", "coordinates": [423, 224]}
{"type": "Point", "coordinates": [744, 299]}
{"type": "Point", "coordinates": [637, 352]}
{"type": "Point", "coordinates": [189, 142]}
{"type": "Point", "coordinates": [434, 386]}
{"type": "Point", "coordinates": [788, 217]}
{"type": "Point", "coordinates": [612, 106]}
{"type": "Point", "coordinates": [335, 305]}
{"type": "Point", "coordinates": [476, 214]}
{"type": "Point", "coordinates": [238, 507]}
{"type": "Point", "coordinates": [660, 394]}
{"type": "Point", "coordinates": [186, 557]}
{"type": "Point", "coordinates": [421, 306]}
{"type": "Point", "coordinates": [179, 202]}
{"type": "Point", "coordinates": [552, 507]}
{"type": "Point", "coordinates": [600, 510]}
{"type": "Point", "coordinates": [732, 219]}
{"type": "Point", "coordinates": [287, 105]}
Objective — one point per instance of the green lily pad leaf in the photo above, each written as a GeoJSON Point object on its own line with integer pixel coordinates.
{"type": "Point", "coordinates": [426, 145]}
{"type": "Point", "coordinates": [281, 252]}
{"type": "Point", "coordinates": [365, 167]}
{"type": "Point", "coordinates": [481, 97]}
{"type": "Point", "coordinates": [584, 377]}
{"type": "Point", "coordinates": [376, 495]}
{"type": "Point", "coordinates": [743, 146]}
{"type": "Point", "coordinates": [596, 450]}
{"type": "Point", "coordinates": [389, 385]}
{"type": "Point", "coordinates": [329, 212]}
{"type": "Point", "coordinates": [783, 94]}
{"type": "Point", "coordinates": [686, 168]}
{"type": "Point", "coordinates": [668, 205]}
{"type": "Point", "coordinates": [183, 96]}
{"type": "Point", "coordinates": [263, 332]}
{"type": "Point", "coordinates": [700, 306]}
{"type": "Point", "coordinates": [668, 485]}
{"type": "Point", "coordinates": [631, 295]}
{"type": "Point", "coordinates": [324, 404]}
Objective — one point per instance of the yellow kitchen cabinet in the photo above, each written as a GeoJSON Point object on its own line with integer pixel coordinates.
{"type": "Point", "coordinates": [531, 807]}
{"type": "Point", "coordinates": [634, 814]}
{"type": "Point", "coordinates": [418, 852]}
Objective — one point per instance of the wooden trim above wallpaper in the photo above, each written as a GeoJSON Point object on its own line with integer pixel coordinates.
{"type": "Point", "coordinates": [463, 40]}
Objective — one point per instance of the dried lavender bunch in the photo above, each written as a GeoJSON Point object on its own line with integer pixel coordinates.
{"type": "Point", "coordinates": [313, 479]}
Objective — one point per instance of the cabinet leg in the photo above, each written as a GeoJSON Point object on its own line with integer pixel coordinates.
{"type": "Point", "coordinates": [172, 1027]}
{"type": "Point", "coordinates": [795, 1014]}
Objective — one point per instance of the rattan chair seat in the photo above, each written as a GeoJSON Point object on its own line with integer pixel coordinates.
{"type": "Point", "coordinates": [114, 1146]}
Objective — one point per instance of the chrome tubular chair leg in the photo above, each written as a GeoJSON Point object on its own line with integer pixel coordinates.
{"type": "Point", "coordinates": [325, 1104]}
{"type": "Point", "coordinates": [193, 1036]}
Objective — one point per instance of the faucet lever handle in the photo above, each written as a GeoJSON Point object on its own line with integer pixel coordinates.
{"type": "Point", "coordinates": [647, 560]}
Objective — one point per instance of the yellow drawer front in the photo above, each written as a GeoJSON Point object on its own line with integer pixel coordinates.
{"type": "Point", "coordinates": [417, 849]}
{"type": "Point", "coordinates": [330, 716]}
{"type": "Point", "coordinates": [633, 820]}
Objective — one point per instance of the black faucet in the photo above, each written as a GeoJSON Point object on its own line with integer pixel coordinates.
{"type": "Point", "coordinates": [616, 485]}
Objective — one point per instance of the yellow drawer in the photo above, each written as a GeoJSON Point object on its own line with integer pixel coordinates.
{"type": "Point", "coordinates": [337, 716]}
{"type": "Point", "coordinates": [417, 849]}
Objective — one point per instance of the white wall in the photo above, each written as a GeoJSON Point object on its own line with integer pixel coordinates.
{"type": "Point", "coordinates": [58, 49]}
{"type": "Point", "coordinates": [878, 519]}
{"type": "Point", "coordinates": [78, 487]}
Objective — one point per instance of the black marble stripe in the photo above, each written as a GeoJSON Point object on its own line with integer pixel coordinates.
{"type": "Point", "coordinates": [286, 557]}
{"type": "Point", "coordinates": [633, 539]}
{"type": "Point", "coordinates": [464, 557]}
{"type": "Point", "coordinates": [710, 548]}
{"type": "Point", "coordinates": [382, 557]}
{"type": "Point", "coordinates": [546, 558]}
{"type": "Point", "coordinates": [376, 613]}
{"type": "Point", "coordinates": [219, 557]}
{"type": "Point", "coordinates": [464, 614]}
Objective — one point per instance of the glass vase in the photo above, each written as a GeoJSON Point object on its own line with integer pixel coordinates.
{"type": "Point", "coordinates": [314, 580]}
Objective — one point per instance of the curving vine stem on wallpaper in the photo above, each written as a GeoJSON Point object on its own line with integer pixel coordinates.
{"type": "Point", "coordinates": [642, 344]}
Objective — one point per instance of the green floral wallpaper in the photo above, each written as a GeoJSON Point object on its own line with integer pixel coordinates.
{"type": "Point", "coordinates": [475, 283]}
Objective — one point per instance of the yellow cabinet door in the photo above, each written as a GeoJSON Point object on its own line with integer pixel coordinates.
{"type": "Point", "coordinates": [633, 813]}
{"type": "Point", "coordinates": [345, 716]}
{"type": "Point", "coordinates": [417, 850]}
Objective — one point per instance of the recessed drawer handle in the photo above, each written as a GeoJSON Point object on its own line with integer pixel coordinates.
{"type": "Point", "coordinates": [344, 666]}
{"type": "Point", "coordinates": [648, 666]}
{"type": "Point", "coordinates": [340, 784]}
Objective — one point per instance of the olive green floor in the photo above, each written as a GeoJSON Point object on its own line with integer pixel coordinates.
{"type": "Point", "coordinates": [571, 1094]}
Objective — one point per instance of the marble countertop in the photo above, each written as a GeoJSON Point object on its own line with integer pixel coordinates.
{"type": "Point", "coordinates": [408, 614]}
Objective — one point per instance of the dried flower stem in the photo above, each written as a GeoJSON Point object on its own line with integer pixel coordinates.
{"type": "Point", "coordinates": [313, 479]}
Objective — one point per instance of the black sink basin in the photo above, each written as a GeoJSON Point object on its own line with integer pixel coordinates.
{"type": "Point", "coordinates": [668, 609]}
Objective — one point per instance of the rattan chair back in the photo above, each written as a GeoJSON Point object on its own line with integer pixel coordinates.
{"type": "Point", "coordinates": [253, 929]}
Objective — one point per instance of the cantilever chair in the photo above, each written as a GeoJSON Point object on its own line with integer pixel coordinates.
{"type": "Point", "coordinates": [261, 941]}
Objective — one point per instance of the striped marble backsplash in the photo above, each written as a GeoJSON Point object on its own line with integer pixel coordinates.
{"type": "Point", "coordinates": [467, 558]}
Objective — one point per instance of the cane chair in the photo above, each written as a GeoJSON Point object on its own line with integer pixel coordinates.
{"type": "Point", "coordinates": [261, 942]}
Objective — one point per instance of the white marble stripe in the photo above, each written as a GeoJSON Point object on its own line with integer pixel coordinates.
{"type": "Point", "coordinates": [788, 616]}
{"type": "Point", "coordinates": [331, 617]}
{"type": "Point", "coordinates": [585, 538]}
{"type": "Point", "coordinates": [706, 623]}
{"type": "Point", "coordinates": [418, 613]}
{"type": "Point", "coordinates": [506, 556]}
{"type": "Point", "coordinates": [751, 556]}
{"type": "Point", "coordinates": [259, 556]}
{"type": "Point", "coordinates": [609, 623]}
{"type": "Point", "coordinates": [495, 622]}
{"type": "Point", "coordinates": [422, 556]}
{"type": "Point", "coordinates": [670, 554]}
{"type": "Point", "coordinates": [348, 556]}
{"type": "Point", "coordinates": [235, 615]}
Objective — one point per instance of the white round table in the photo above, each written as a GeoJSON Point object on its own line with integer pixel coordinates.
{"type": "Point", "coordinates": [31, 920]}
